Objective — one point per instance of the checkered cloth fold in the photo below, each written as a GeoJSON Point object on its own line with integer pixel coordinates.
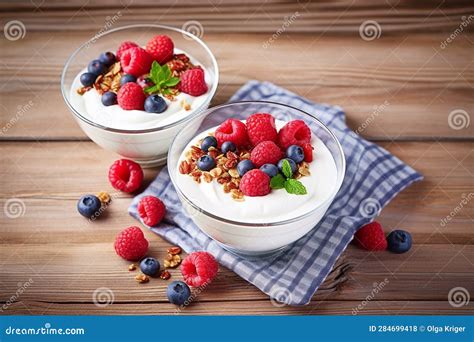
{"type": "Point", "coordinates": [373, 177]}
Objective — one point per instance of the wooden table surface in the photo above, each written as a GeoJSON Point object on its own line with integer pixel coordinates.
{"type": "Point", "coordinates": [402, 89]}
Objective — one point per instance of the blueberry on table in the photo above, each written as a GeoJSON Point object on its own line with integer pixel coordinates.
{"type": "Point", "coordinates": [150, 266]}
{"type": "Point", "coordinates": [87, 79]}
{"type": "Point", "coordinates": [207, 143]}
{"type": "Point", "coordinates": [178, 292]}
{"type": "Point", "coordinates": [295, 153]}
{"type": "Point", "coordinates": [292, 165]}
{"type": "Point", "coordinates": [127, 78]}
{"type": "Point", "coordinates": [109, 98]}
{"type": "Point", "coordinates": [89, 206]}
{"type": "Point", "coordinates": [206, 163]}
{"type": "Point", "coordinates": [228, 146]}
{"type": "Point", "coordinates": [107, 58]}
{"type": "Point", "coordinates": [244, 166]}
{"type": "Point", "coordinates": [155, 104]}
{"type": "Point", "coordinates": [96, 67]}
{"type": "Point", "coordinates": [270, 169]}
{"type": "Point", "coordinates": [399, 241]}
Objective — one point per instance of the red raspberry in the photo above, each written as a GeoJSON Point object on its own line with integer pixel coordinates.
{"type": "Point", "coordinates": [161, 48]}
{"type": "Point", "coordinates": [199, 268]}
{"type": "Point", "coordinates": [151, 210]}
{"type": "Point", "coordinates": [136, 61]}
{"type": "Point", "coordinates": [232, 130]}
{"type": "Point", "coordinates": [295, 132]}
{"type": "Point", "coordinates": [261, 127]}
{"type": "Point", "coordinates": [131, 244]}
{"type": "Point", "coordinates": [255, 183]}
{"type": "Point", "coordinates": [124, 47]}
{"type": "Point", "coordinates": [192, 82]}
{"type": "Point", "coordinates": [267, 152]}
{"type": "Point", "coordinates": [308, 152]}
{"type": "Point", "coordinates": [371, 237]}
{"type": "Point", "coordinates": [131, 96]}
{"type": "Point", "coordinates": [125, 175]}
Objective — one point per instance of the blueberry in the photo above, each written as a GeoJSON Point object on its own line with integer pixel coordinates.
{"type": "Point", "coordinates": [127, 78]}
{"type": "Point", "coordinates": [292, 164]}
{"type": "Point", "coordinates": [208, 142]}
{"type": "Point", "coordinates": [150, 266]}
{"type": "Point", "coordinates": [269, 169]}
{"type": "Point", "coordinates": [109, 98]}
{"type": "Point", "coordinates": [244, 166]}
{"type": "Point", "coordinates": [107, 58]}
{"type": "Point", "coordinates": [399, 241]}
{"type": "Point", "coordinates": [96, 67]}
{"type": "Point", "coordinates": [296, 153]}
{"type": "Point", "coordinates": [178, 292]}
{"type": "Point", "coordinates": [228, 146]}
{"type": "Point", "coordinates": [206, 163]}
{"type": "Point", "coordinates": [88, 79]}
{"type": "Point", "coordinates": [155, 104]}
{"type": "Point", "coordinates": [89, 206]}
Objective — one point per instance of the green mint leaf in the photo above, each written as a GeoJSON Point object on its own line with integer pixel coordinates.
{"type": "Point", "coordinates": [166, 72]}
{"type": "Point", "coordinates": [152, 89]}
{"type": "Point", "coordinates": [293, 186]}
{"type": "Point", "coordinates": [286, 169]}
{"type": "Point", "coordinates": [172, 82]}
{"type": "Point", "coordinates": [154, 71]}
{"type": "Point", "coordinates": [277, 182]}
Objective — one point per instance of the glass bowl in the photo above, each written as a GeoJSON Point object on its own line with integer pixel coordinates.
{"type": "Point", "coordinates": [148, 146]}
{"type": "Point", "coordinates": [264, 235]}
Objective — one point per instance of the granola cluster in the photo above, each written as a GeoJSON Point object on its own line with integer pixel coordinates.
{"type": "Point", "coordinates": [110, 81]}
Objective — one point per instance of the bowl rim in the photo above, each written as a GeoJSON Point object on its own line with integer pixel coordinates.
{"type": "Point", "coordinates": [193, 113]}
{"type": "Point", "coordinates": [251, 225]}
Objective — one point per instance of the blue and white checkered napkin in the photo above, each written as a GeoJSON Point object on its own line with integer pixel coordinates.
{"type": "Point", "coordinates": [373, 178]}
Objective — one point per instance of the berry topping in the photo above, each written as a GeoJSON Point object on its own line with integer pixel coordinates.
{"type": "Point", "coordinates": [399, 241]}
{"type": "Point", "coordinates": [371, 237]}
{"type": "Point", "coordinates": [292, 165]}
{"type": "Point", "coordinates": [261, 127]}
{"type": "Point", "coordinates": [244, 166]}
{"type": "Point", "coordinates": [192, 82]}
{"type": "Point", "coordinates": [96, 67]}
{"type": "Point", "coordinates": [131, 96]}
{"type": "Point", "coordinates": [125, 175]}
{"type": "Point", "coordinates": [149, 266]}
{"type": "Point", "coordinates": [178, 292]}
{"type": "Point", "coordinates": [161, 48]}
{"type": "Point", "coordinates": [308, 152]}
{"type": "Point", "coordinates": [232, 130]}
{"type": "Point", "coordinates": [199, 268]}
{"type": "Point", "coordinates": [270, 169]}
{"type": "Point", "coordinates": [151, 210]}
{"type": "Point", "coordinates": [109, 98]}
{"type": "Point", "coordinates": [295, 132]}
{"type": "Point", "coordinates": [127, 78]}
{"type": "Point", "coordinates": [131, 244]}
{"type": "Point", "coordinates": [107, 58]}
{"type": "Point", "coordinates": [206, 163]}
{"type": "Point", "coordinates": [255, 183]}
{"type": "Point", "coordinates": [124, 47]}
{"type": "Point", "coordinates": [155, 104]}
{"type": "Point", "coordinates": [295, 153]}
{"type": "Point", "coordinates": [228, 146]}
{"type": "Point", "coordinates": [144, 82]}
{"type": "Point", "coordinates": [266, 152]}
{"type": "Point", "coordinates": [208, 142]}
{"type": "Point", "coordinates": [136, 61]}
{"type": "Point", "coordinates": [89, 206]}
{"type": "Point", "coordinates": [88, 79]}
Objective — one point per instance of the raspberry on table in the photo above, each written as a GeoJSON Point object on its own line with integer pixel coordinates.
{"type": "Point", "coordinates": [232, 130]}
{"type": "Point", "coordinates": [131, 96]}
{"type": "Point", "coordinates": [266, 152]}
{"type": "Point", "coordinates": [192, 82]}
{"type": "Point", "coordinates": [125, 175]}
{"type": "Point", "coordinates": [371, 237]}
{"type": "Point", "coordinates": [161, 48]}
{"type": "Point", "coordinates": [136, 61]}
{"type": "Point", "coordinates": [295, 132]}
{"type": "Point", "coordinates": [131, 244]}
{"type": "Point", "coordinates": [199, 268]}
{"type": "Point", "coordinates": [261, 127]}
{"type": "Point", "coordinates": [255, 183]}
{"type": "Point", "coordinates": [151, 210]}
{"type": "Point", "coordinates": [124, 47]}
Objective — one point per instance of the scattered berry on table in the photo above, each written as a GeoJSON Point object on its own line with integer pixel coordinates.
{"type": "Point", "coordinates": [127, 78]}
{"type": "Point", "coordinates": [155, 104]}
{"type": "Point", "coordinates": [266, 152]}
{"type": "Point", "coordinates": [292, 164]}
{"type": "Point", "coordinates": [150, 266]}
{"type": "Point", "coordinates": [244, 166]}
{"type": "Point", "coordinates": [206, 163]}
{"type": "Point", "coordinates": [178, 292]}
{"type": "Point", "coordinates": [89, 206]}
{"type": "Point", "coordinates": [124, 47]}
{"type": "Point", "coordinates": [136, 61]}
{"type": "Point", "coordinates": [131, 96]}
{"type": "Point", "coordinates": [228, 146]}
{"type": "Point", "coordinates": [261, 127]}
{"type": "Point", "coordinates": [399, 241]}
{"type": "Point", "coordinates": [109, 98]}
{"type": "Point", "coordinates": [232, 130]}
{"type": "Point", "coordinates": [295, 153]}
{"type": "Point", "coordinates": [295, 132]}
{"type": "Point", "coordinates": [131, 244]}
{"type": "Point", "coordinates": [308, 152]}
{"type": "Point", "coordinates": [199, 268]}
{"type": "Point", "coordinates": [255, 183]}
{"type": "Point", "coordinates": [151, 210]}
{"type": "Point", "coordinates": [270, 169]}
{"type": "Point", "coordinates": [88, 79]}
{"type": "Point", "coordinates": [192, 82]}
{"type": "Point", "coordinates": [96, 67]}
{"type": "Point", "coordinates": [208, 142]}
{"type": "Point", "coordinates": [125, 175]}
{"type": "Point", "coordinates": [107, 58]}
{"type": "Point", "coordinates": [371, 237]}
{"type": "Point", "coordinates": [161, 48]}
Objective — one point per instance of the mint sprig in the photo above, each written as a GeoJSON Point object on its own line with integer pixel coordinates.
{"type": "Point", "coordinates": [162, 78]}
{"type": "Point", "coordinates": [291, 185]}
